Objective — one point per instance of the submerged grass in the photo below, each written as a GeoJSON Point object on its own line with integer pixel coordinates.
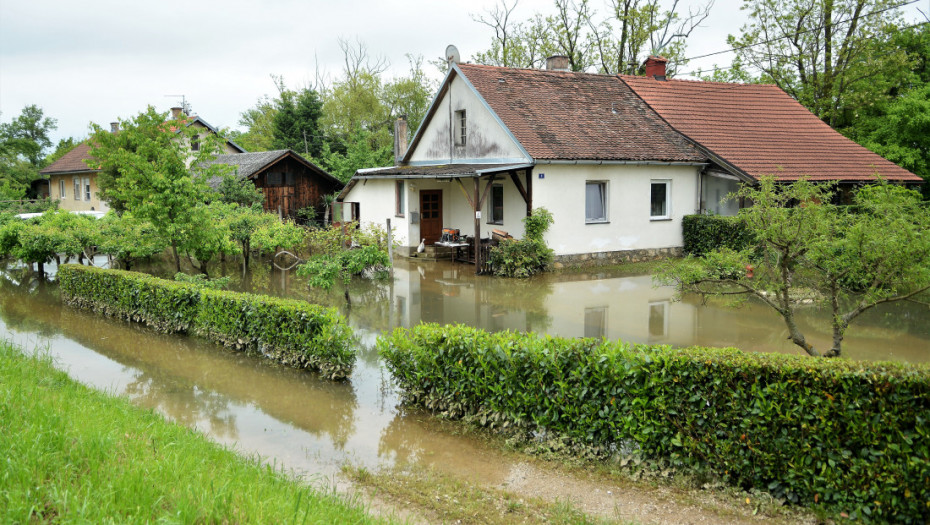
{"type": "Point", "coordinates": [72, 454]}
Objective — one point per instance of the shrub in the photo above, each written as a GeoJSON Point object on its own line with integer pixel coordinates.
{"type": "Point", "coordinates": [527, 256]}
{"type": "Point", "coordinates": [703, 233]}
{"type": "Point", "coordinates": [848, 436]}
{"type": "Point", "coordinates": [296, 333]}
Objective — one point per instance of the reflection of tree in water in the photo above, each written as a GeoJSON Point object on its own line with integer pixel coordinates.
{"type": "Point", "coordinates": [28, 303]}
{"type": "Point", "coordinates": [505, 296]}
{"type": "Point", "coordinates": [184, 402]}
{"type": "Point", "coordinates": [399, 442]}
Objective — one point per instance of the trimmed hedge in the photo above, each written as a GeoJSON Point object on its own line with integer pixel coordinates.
{"type": "Point", "coordinates": [850, 436]}
{"type": "Point", "coordinates": [296, 333]}
{"type": "Point", "coordinates": [703, 233]}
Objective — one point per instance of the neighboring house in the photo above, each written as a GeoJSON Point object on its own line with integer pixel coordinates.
{"type": "Point", "coordinates": [72, 179]}
{"type": "Point", "coordinates": [73, 183]}
{"type": "Point", "coordinates": [289, 181]}
{"type": "Point", "coordinates": [618, 160]}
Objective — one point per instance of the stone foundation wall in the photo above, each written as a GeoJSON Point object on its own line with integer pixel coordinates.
{"type": "Point", "coordinates": [618, 257]}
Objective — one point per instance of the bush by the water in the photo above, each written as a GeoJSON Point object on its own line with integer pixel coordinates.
{"type": "Point", "coordinates": [527, 256]}
{"type": "Point", "coordinates": [849, 436]}
{"type": "Point", "coordinates": [296, 333]}
{"type": "Point", "coordinates": [703, 233]}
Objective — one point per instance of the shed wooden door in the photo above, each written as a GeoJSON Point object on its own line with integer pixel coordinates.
{"type": "Point", "coordinates": [430, 215]}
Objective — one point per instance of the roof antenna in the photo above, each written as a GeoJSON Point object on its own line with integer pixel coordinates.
{"type": "Point", "coordinates": [185, 106]}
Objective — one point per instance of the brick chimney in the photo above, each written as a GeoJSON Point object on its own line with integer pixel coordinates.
{"type": "Point", "coordinates": [557, 63]}
{"type": "Point", "coordinates": [176, 112]}
{"type": "Point", "coordinates": [114, 127]}
{"type": "Point", "coordinates": [400, 138]}
{"type": "Point", "coordinates": [655, 67]}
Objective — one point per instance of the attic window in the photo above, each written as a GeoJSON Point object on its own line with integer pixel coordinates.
{"type": "Point", "coordinates": [460, 127]}
{"type": "Point", "coordinates": [195, 143]}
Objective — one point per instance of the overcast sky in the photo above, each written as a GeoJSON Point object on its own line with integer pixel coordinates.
{"type": "Point", "coordinates": [94, 60]}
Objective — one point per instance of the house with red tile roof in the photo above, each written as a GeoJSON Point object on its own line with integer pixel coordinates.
{"type": "Point", "coordinates": [618, 160]}
{"type": "Point", "coordinates": [72, 179]}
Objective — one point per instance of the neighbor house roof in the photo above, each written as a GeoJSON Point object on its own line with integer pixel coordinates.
{"type": "Point", "coordinates": [71, 162]}
{"type": "Point", "coordinates": [250, 165]}
{"type": "Point", "coordinates": [758, 130]}
{"type": "Point", "coordinates": [562, 115]}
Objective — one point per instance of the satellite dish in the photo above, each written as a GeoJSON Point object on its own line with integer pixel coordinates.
{"type": "Point", "coordinates": [452, 54]}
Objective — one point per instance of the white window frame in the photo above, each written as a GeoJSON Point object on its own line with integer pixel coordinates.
{"type": "Point", "coordinates": [461, 127]}
{"type": "Point", "coordinates": [86, 184]}
{"type": "Point", "coordinates": [668, 199]}
{"type": "Point", "coordinates": [61, 188]}
{"type": "Point", "coordinates": [605, 202]}
{"type": "Point", "coordinates": [491, 218]}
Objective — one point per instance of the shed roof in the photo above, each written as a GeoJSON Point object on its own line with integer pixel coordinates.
{"type": "Point", "coordinates": [759, 130]}
{"type": "Point", "coordinates": [250, 165]}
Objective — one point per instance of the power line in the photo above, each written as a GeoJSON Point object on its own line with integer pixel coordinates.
{"type": "Point", "coordinates": [747, 46]}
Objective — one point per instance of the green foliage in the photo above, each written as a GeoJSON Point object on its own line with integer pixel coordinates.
{"type": "Point", "coordinates": [295, 124]}
{"type": "Point", "coordinates": [902, 133]}
{"type": "Point", "coordinates": [149, 169]}
{"type": "Point", "coordinates": [362, 151]}
{"type": "Point", "coordinates": [259, 123]}
{"type": "Point", "coordinates": [846, 436]}
{"type": "Point", "coordinates": [241, 191]}
{"type": "Point", "coordinates": [805, 248]}
{"type": "Point", "coordinates": [66, 444]}
{"type": "Point", "coordinates": [527, 256]}
{"type": "Point", "coordinates": [703, 233]}
{"type": "Point", "coordinates": [339, 253]}
{"type": "Point", "coordinates": [296, 333]}
{"type": "Point", "coordinates": [128, 239]}
{"type": "Point", "coordinates": [27, 134]}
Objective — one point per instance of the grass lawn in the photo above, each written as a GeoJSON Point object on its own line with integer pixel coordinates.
{"type": "Point", "coordinates": [73, 454]}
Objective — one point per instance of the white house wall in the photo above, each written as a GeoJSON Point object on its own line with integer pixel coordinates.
{"type": "Point", "coordinates": [485, 141]}
{"type": "Point", "coordinates": [562, 191]}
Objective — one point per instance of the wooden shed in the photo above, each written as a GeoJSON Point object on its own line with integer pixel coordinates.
{"type": "Point", "coordinates": [289, 181]}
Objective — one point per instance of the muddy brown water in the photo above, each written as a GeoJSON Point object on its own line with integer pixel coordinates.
{"type": "Point", "coordinates": [313, 426]}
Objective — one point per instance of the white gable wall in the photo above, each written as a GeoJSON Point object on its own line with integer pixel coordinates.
{"type": "Point", "coordinates": [629, 227]}
{"type": "Point", "coordinates": [486, 139]}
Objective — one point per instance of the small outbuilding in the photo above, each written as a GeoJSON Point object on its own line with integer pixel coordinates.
{"type": "Point", "coordinates": [289, 181]}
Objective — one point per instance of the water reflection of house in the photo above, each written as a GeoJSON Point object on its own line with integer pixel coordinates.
{"type": "Point", "coordinates": [618, 160]}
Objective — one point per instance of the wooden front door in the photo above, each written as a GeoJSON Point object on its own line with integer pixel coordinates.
{"type": "Point", "coordinates": [430, 215]}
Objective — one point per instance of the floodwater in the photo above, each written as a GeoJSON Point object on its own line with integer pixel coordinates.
{"type": "Point", "coordinates": [314, 426]}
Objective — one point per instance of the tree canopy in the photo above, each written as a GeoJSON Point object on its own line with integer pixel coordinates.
{"type": "Point", "coordinates": [849, 259]}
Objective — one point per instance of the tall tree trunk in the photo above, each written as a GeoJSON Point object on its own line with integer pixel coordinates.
{"type": "Point", "coordinates": [177, 256]}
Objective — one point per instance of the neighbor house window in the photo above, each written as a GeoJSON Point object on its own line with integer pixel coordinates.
{"type": "Point", "coordinates": [61, 188]}
{"type": "Point", "coordinates": [595, 202]}
{"type": "Point", "coordinates": [659, 199]}
{"type": "Point", "coordinates": [288, 179]}
{"type": "Point", "coordinates": [195, 143]}
{"type": "Point", "coordinates": [399, 198]}
{"type": "Point", "coordinates": [77, 188]}
{"type": "Point", "coordinates": [496, 215]}
{"type": "Point", "coordinates": [460, 127]}
{"type": "Point", "coordinates": [87, 188]}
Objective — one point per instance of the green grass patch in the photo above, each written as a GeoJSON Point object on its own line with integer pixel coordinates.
{"type": "Point", "coordinates": [72, 454]}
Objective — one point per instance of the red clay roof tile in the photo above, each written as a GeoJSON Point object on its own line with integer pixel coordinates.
{"type": "Point", "coordinates": [577, 116]}
{"type": "Point", "coordinates": [760, 130]}
{"type": "Point", "coordinates": [71, 162]}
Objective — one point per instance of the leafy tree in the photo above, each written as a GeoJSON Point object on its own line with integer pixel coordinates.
{"type": "Point", "coordinates": [831, 55]}
{"type": "Point", "coordinates": [259, 122]}
{"type": "Point", "coordinates": [252, 228]}
{"type": "Point", "coordinates": [128, 239]}
{"type": "Point", "coordinates": [150, 171]}
{"type": "Point", "coordinates": [362, 151]}
{"type": "Point", "coordinates": [409, 96]}
{"type": "Point", "coordinates": [810, 251]}
{"type": "Point", "coordinates": [902, 134]}
{"type": "Point", "coordinates": [295, 124]}
{"type": "Point", "coordinates": [28, 134]}
{"type": "Point", "coordinates": [236, 190]}
{"type": "Point", "coordinates": [64, 146]}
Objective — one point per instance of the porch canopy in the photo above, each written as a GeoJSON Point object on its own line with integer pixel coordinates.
{"type": "Point", "coordinates": [474, 192]}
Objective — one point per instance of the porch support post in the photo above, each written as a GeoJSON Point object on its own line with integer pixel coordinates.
{"type": "Point", "coordinates": [477, 227]}
{"type": "Point", "coordinates": [529, 192]}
